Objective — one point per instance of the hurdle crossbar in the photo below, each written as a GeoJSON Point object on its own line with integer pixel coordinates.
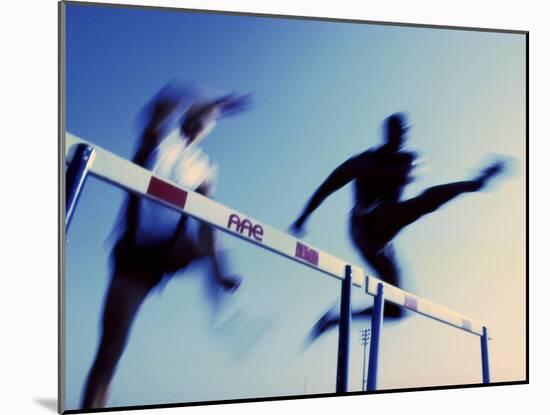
{"type": "Point", "coordinates": [84, 157]}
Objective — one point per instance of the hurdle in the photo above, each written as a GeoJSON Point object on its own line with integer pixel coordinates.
{"type": "Point", "coordinates": [84, 158]}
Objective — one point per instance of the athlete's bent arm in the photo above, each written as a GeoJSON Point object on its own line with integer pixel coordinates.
{"type": "Point", "coordinates": [341, 176]}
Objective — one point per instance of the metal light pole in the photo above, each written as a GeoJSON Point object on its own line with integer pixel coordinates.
{"type": "Point", "coordinates": [364, 337]}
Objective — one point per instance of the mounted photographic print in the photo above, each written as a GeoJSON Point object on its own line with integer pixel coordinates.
{"type": "Point", "coordinates": [261, 207]}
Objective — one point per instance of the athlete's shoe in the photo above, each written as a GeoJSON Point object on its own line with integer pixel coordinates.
{"type": "Point", "coordinates": [328, 321]}
{"type": "Point", "coordinates": [489, 172]}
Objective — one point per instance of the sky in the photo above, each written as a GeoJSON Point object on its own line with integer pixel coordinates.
{"type": "Point", "coordinates": [320, 91]}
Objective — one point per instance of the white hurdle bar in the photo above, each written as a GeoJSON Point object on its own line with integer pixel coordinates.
{"type": "Point", "coordinates": [83, 157]}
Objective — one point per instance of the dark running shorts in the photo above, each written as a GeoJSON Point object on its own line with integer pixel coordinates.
{"type": "Point", "coordinates": [150, 264]}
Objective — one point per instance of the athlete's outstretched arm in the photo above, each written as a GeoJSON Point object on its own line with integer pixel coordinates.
{"type": "Point", "coordinates": [341, 176]}
{"type": "Point", "coordinates": [208, 247]}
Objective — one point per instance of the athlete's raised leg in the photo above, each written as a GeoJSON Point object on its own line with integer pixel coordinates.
{"type": "Point", "coordinates": [433, 198]}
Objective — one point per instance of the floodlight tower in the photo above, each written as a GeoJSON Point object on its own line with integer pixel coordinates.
{"type": "Point", "coordinates": [364, 336]}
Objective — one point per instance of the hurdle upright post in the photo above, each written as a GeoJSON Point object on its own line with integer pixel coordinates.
{"type": "Point", "coordinates": [76, 175]}
{"type": "Point", "coordinates": [485, 355]}
{"type": "Point", "coordinates": [376, 332]}
{"type": "Point", "coordinates": [343, 334]}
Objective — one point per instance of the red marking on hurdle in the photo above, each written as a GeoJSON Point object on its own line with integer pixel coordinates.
{"type": "Point", "coordinates": [307, 254]}
{"type": "Point", "coordinates": [466, 324]}
{"type": "Point", "coordinates": [167, 192]}
{"type": "Point", "coordinates": [411, 303]}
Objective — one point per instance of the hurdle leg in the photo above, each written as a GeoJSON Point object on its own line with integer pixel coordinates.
{"type": "Point", "coordinates": [343, 334]}
{"type": "Point", "coordinates": [485, 355]}
{"type": "Point", "coordinates": [76, 174]}
{"type": "Point", "coordinates": [376, 332]}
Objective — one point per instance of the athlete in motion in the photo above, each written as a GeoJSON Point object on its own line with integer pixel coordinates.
{"type": "Point", "coordinates": [154, 242]}
{"type": "Point", "coordinates": [380, 176]}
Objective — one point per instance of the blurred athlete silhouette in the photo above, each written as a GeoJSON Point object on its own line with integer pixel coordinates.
{"type": "Point", "coordinates": [154, 242]}
{"type": "Point", "coordinates": [380, 176]}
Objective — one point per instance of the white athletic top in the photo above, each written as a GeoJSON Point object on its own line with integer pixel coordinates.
{"type": "Point", "coordinates": [182, 163]}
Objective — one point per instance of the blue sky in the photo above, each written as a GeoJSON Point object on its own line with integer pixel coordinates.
{"type": "Point", "coordinates": [320, 91]}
